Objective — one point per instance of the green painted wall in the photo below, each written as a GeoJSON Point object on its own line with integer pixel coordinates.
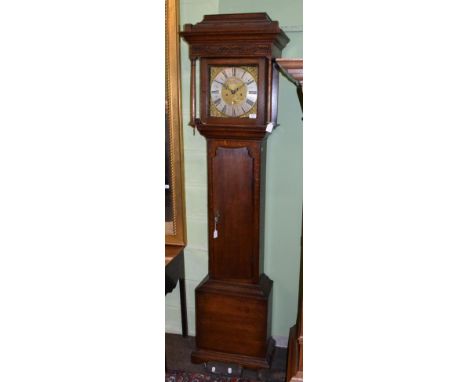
{"type": "Point", "coordinates": [284, 175]}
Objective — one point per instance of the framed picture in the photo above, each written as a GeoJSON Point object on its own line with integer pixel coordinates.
{"type": "Point", "coordinates": [174, 180]}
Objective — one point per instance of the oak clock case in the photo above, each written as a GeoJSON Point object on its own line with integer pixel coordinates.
{"type": "Point", "coordinates": [238, 101]}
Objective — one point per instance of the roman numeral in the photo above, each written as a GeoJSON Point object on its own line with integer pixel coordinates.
{"type": "Point", "coordinates": [252, 92]}
{"type": "Point", "coordinates": [214, 91]}
{"type": "Point", "coordinates": [224, 110]}
{"type": "Point", "coordinates": [218, 82]}
{"type": "Point", "coordinates": [248, 83]}
{"type": "Point", "coordinates": [224, 74]}
{"type": "Point", "coordinates": [217, 101]}
{"type": "Point", "coordinates": [251, 103]}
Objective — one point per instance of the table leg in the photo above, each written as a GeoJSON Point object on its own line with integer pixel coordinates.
{"type": "Point", "coordinates": [183, 307]}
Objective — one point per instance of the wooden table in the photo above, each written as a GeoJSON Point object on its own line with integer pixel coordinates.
{"type": "Point", "coordinates": [175, 272]}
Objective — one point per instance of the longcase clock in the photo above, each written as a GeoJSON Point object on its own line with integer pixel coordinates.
{"type": "Point", "coordinates": [235, 112]}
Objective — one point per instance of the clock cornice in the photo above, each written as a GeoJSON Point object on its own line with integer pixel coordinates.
{"type": "Point", "coordinates": [241, 35]}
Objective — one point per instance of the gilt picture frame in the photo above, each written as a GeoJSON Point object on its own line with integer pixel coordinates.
{"type": "Point", "coordinates": [175, 225]}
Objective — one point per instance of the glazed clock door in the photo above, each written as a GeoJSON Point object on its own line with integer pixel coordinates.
{"type": "Point", "coordinates": [234, 210]}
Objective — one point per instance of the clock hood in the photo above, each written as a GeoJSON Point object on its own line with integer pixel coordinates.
{"type": "Point", "coordinates": [235, 35]}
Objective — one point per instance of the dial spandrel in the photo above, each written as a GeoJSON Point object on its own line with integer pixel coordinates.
{"type": "Point", "coordinates": [233, 91]}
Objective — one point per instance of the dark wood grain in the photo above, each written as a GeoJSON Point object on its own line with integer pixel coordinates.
{"type": "Point", "coordinates": [233, 303]}
{"type": "Point", "coordinates": [292, 68]}
{"type": "Point", "coordinates": [235, 193]}
{"type": "Point", "coordinates": [233, 319]}
{"type": "Point", "coordinates": [232, 252]}
{"type": "Point", "coordinates": [235, 35]}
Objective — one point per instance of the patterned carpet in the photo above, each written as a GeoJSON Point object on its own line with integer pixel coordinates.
{"type": "Point", "coordinates": [181, 369]}
{"type": "Point", "coordinates": [182, 376]}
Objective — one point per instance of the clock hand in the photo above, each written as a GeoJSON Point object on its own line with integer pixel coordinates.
{"type": "Point", "coordinates": [236, 90]}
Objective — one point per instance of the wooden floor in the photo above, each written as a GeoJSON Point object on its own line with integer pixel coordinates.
{"type": "Point", "coordinates": [178, 350]}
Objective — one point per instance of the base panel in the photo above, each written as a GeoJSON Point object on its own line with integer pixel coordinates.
{"type": "Point", "coordinates": [233, 323]}
{"type": "Point", "coordinates": [203, 355]}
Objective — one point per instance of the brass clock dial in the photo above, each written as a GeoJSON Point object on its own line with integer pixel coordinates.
{"type": "Point", "coordinates": [233, 91]}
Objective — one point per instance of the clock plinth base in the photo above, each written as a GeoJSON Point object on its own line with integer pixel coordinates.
{"type": "Point", "coordinates": [202, 355]}
{"type": "Point", "coordinates": [233, 323]}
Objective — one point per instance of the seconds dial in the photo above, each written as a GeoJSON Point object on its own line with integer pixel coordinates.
{"type": "Point", "coordinates": [234, 92]}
